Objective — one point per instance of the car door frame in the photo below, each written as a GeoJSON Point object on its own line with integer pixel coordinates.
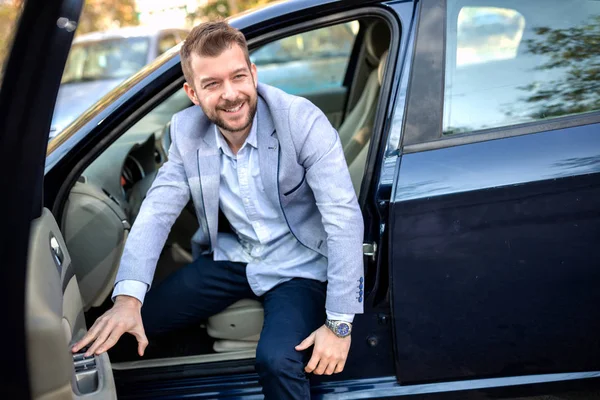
{"type": "Point", "coordinates": [40, 48]}
{"type": "Point", "coordinates": [99, 132]}
{"type": "Point", "coordinates": [141, 93]}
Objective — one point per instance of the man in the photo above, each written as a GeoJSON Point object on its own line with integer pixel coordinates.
{"type": "Point", "coordinates": [275, 167]}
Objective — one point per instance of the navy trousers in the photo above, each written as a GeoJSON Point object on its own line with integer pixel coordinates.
{"type": "Point", "coordinates": [293, 310]}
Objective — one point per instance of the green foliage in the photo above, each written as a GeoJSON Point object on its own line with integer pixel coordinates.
{"type": "Point", "coordinates": [575, 53]}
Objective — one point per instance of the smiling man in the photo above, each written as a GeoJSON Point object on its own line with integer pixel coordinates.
{"type": "Point", "coordinates": [274, 165]}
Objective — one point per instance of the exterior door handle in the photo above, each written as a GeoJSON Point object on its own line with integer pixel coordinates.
{"type": "Point", "coordinates": [56, 251]}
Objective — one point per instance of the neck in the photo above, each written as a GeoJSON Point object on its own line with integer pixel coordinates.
{"type": "Point", "coordinates": [235, 140]}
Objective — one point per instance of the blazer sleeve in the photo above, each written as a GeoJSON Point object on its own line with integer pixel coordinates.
{"type": "Point", "coordinates": [164, 201]}
{"type": "Point", "coordinates": [320, 152]}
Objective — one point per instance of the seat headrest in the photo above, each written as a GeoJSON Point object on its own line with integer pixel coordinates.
{"type": "Point", "coordinates": [377, 41]}
{"type": "Point", "coordinates": [381, 69]}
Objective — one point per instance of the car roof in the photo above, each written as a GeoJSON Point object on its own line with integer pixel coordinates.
{"type": "Point", "coordinates": [127, 32]}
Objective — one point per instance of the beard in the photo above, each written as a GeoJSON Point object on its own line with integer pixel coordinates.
{"type": "Point", "coordinates": [213, 115]}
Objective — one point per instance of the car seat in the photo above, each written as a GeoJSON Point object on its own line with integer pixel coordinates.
{"type": "Point", "coordinates": [357, 127]}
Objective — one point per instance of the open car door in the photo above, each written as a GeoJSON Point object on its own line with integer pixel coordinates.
{"type": "Point", "coordinates": [38, 289]}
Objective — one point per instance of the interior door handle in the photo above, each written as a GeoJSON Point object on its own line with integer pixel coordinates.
{"type": "Point", "coordinates": [56, 250]}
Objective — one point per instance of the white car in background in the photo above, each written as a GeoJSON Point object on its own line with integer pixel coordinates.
{"type": "Point", "coordinates": [99, 61]}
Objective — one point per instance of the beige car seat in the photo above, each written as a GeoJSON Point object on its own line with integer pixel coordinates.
{"type": "Point", "coordinates": [237, 327]}
{"type": "Point", "coordinates": [358, 147]}
{"type": "Point", "coordinates": [357, 127]}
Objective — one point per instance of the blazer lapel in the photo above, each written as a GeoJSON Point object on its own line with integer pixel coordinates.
{"type": "Point", "coordinates": [209, 164]}
{"type": "Point", "coordinates": [268, 152]}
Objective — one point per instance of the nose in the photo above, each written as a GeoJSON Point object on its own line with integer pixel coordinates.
{"type": "Point", "coordinates": [229, 91]}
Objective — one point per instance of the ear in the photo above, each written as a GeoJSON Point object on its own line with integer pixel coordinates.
{"type": "Point", "coordinates": [254, 74]}
{"type": "Point", "coordinates": [191, 93]}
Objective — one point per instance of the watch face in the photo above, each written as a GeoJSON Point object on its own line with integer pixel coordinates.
{"type": "Point", "coordinates": [343, 329]}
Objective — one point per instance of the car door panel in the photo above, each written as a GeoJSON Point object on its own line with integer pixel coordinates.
{"type": "Point", "coordinates": [55, 319]}
{"type": "Point", "coordinates": [42, 38]}
{"type": "Point", "coordinates": [493, 231]}
{"type": "Point", "coordinates": [494, 257]}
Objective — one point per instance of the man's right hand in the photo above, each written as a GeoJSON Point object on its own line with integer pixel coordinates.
{"type": "Point", "coordinates": [124, 316]}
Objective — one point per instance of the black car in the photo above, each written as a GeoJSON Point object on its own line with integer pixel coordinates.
{"type": "Point", "coordinates": [472, 133]}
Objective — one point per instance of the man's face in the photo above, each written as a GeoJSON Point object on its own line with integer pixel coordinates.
{"type": "Point", "coordinates": [225, 88]}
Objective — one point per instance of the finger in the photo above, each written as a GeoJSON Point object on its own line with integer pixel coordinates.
{"type": "Point", "coordinates": [112, 339]}
{"type": "Point", "coordinates": [90, 336]}
{"type": "Point", "coordinates": [102, 336]}
{"type": "Point", "coordinates": [312, 364]}
{"type": "Point", "coordinates": [340, 367]}
{"type": "Point", "coordinates": [306, 343]}
{"type": "Point", "coordinates": [323, 364]}
{"type": "Point", "coordinates": [140, 335]}
{"type": "Point", "coordinates": [331, 368]}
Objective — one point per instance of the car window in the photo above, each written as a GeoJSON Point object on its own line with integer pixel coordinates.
{"type": "Point", "coordinates": [155, 120]}
{"type": "Point", "coordinates": [513, 62]}
{"type": "Point", "coordinates": [10, 11]}
{"type": "Point", "coordinates": [166, 42]}
{"type": "Point", "coordinates": [121, 175]}
{"type": "Point", "coordinates": [307, 62]}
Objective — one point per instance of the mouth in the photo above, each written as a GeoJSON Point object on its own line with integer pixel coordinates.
{"type": "Point", "coordinates": [234, 110]}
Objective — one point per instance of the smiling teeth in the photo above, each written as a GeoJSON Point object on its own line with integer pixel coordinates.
{"type": "Point", "coordinates": [235, 109]}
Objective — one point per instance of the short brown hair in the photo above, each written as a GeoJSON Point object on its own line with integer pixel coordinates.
{"type": "Point", "coordinates": [210, 39]}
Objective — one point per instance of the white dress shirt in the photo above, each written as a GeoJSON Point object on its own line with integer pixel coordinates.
{"type": "Point", "coordinates": [262, 237]}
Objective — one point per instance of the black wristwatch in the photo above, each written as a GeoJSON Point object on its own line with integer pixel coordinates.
{"type": "Point", "coordinates": [341, 329]}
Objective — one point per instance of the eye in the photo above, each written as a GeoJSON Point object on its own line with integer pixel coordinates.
{"type": "Point", "coordinates": [239, 76]}
{"type": "Point", "coordinates": [210, 85]}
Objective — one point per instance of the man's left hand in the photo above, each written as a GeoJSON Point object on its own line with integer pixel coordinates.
{"type": "Point", "coordinates": [330, 352]}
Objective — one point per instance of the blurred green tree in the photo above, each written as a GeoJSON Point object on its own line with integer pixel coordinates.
{"type": "Point", "coordinates": [99, 15]}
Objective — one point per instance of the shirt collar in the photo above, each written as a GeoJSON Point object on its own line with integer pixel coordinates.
{"type": "Point", "coordinates": [251, 139]}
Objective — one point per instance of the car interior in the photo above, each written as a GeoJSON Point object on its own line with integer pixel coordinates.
{"type": "Point", "coordinates": [102, 206]}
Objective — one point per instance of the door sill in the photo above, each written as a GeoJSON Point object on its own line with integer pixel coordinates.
{"type": "Point", "coordinates": [174, 361]}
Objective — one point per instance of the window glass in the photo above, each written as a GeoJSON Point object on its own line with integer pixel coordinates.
{"type": "Point", "coordinates": [514, 62]}
{"type": "Point", "coordinates": [308, 62]}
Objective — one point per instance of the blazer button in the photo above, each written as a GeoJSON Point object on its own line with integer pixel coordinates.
{"type": "Point", "coordinates": [360, 299]}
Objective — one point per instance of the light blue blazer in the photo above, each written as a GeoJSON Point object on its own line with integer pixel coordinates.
{"type": "Point", "coordinates": [303, 170]}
